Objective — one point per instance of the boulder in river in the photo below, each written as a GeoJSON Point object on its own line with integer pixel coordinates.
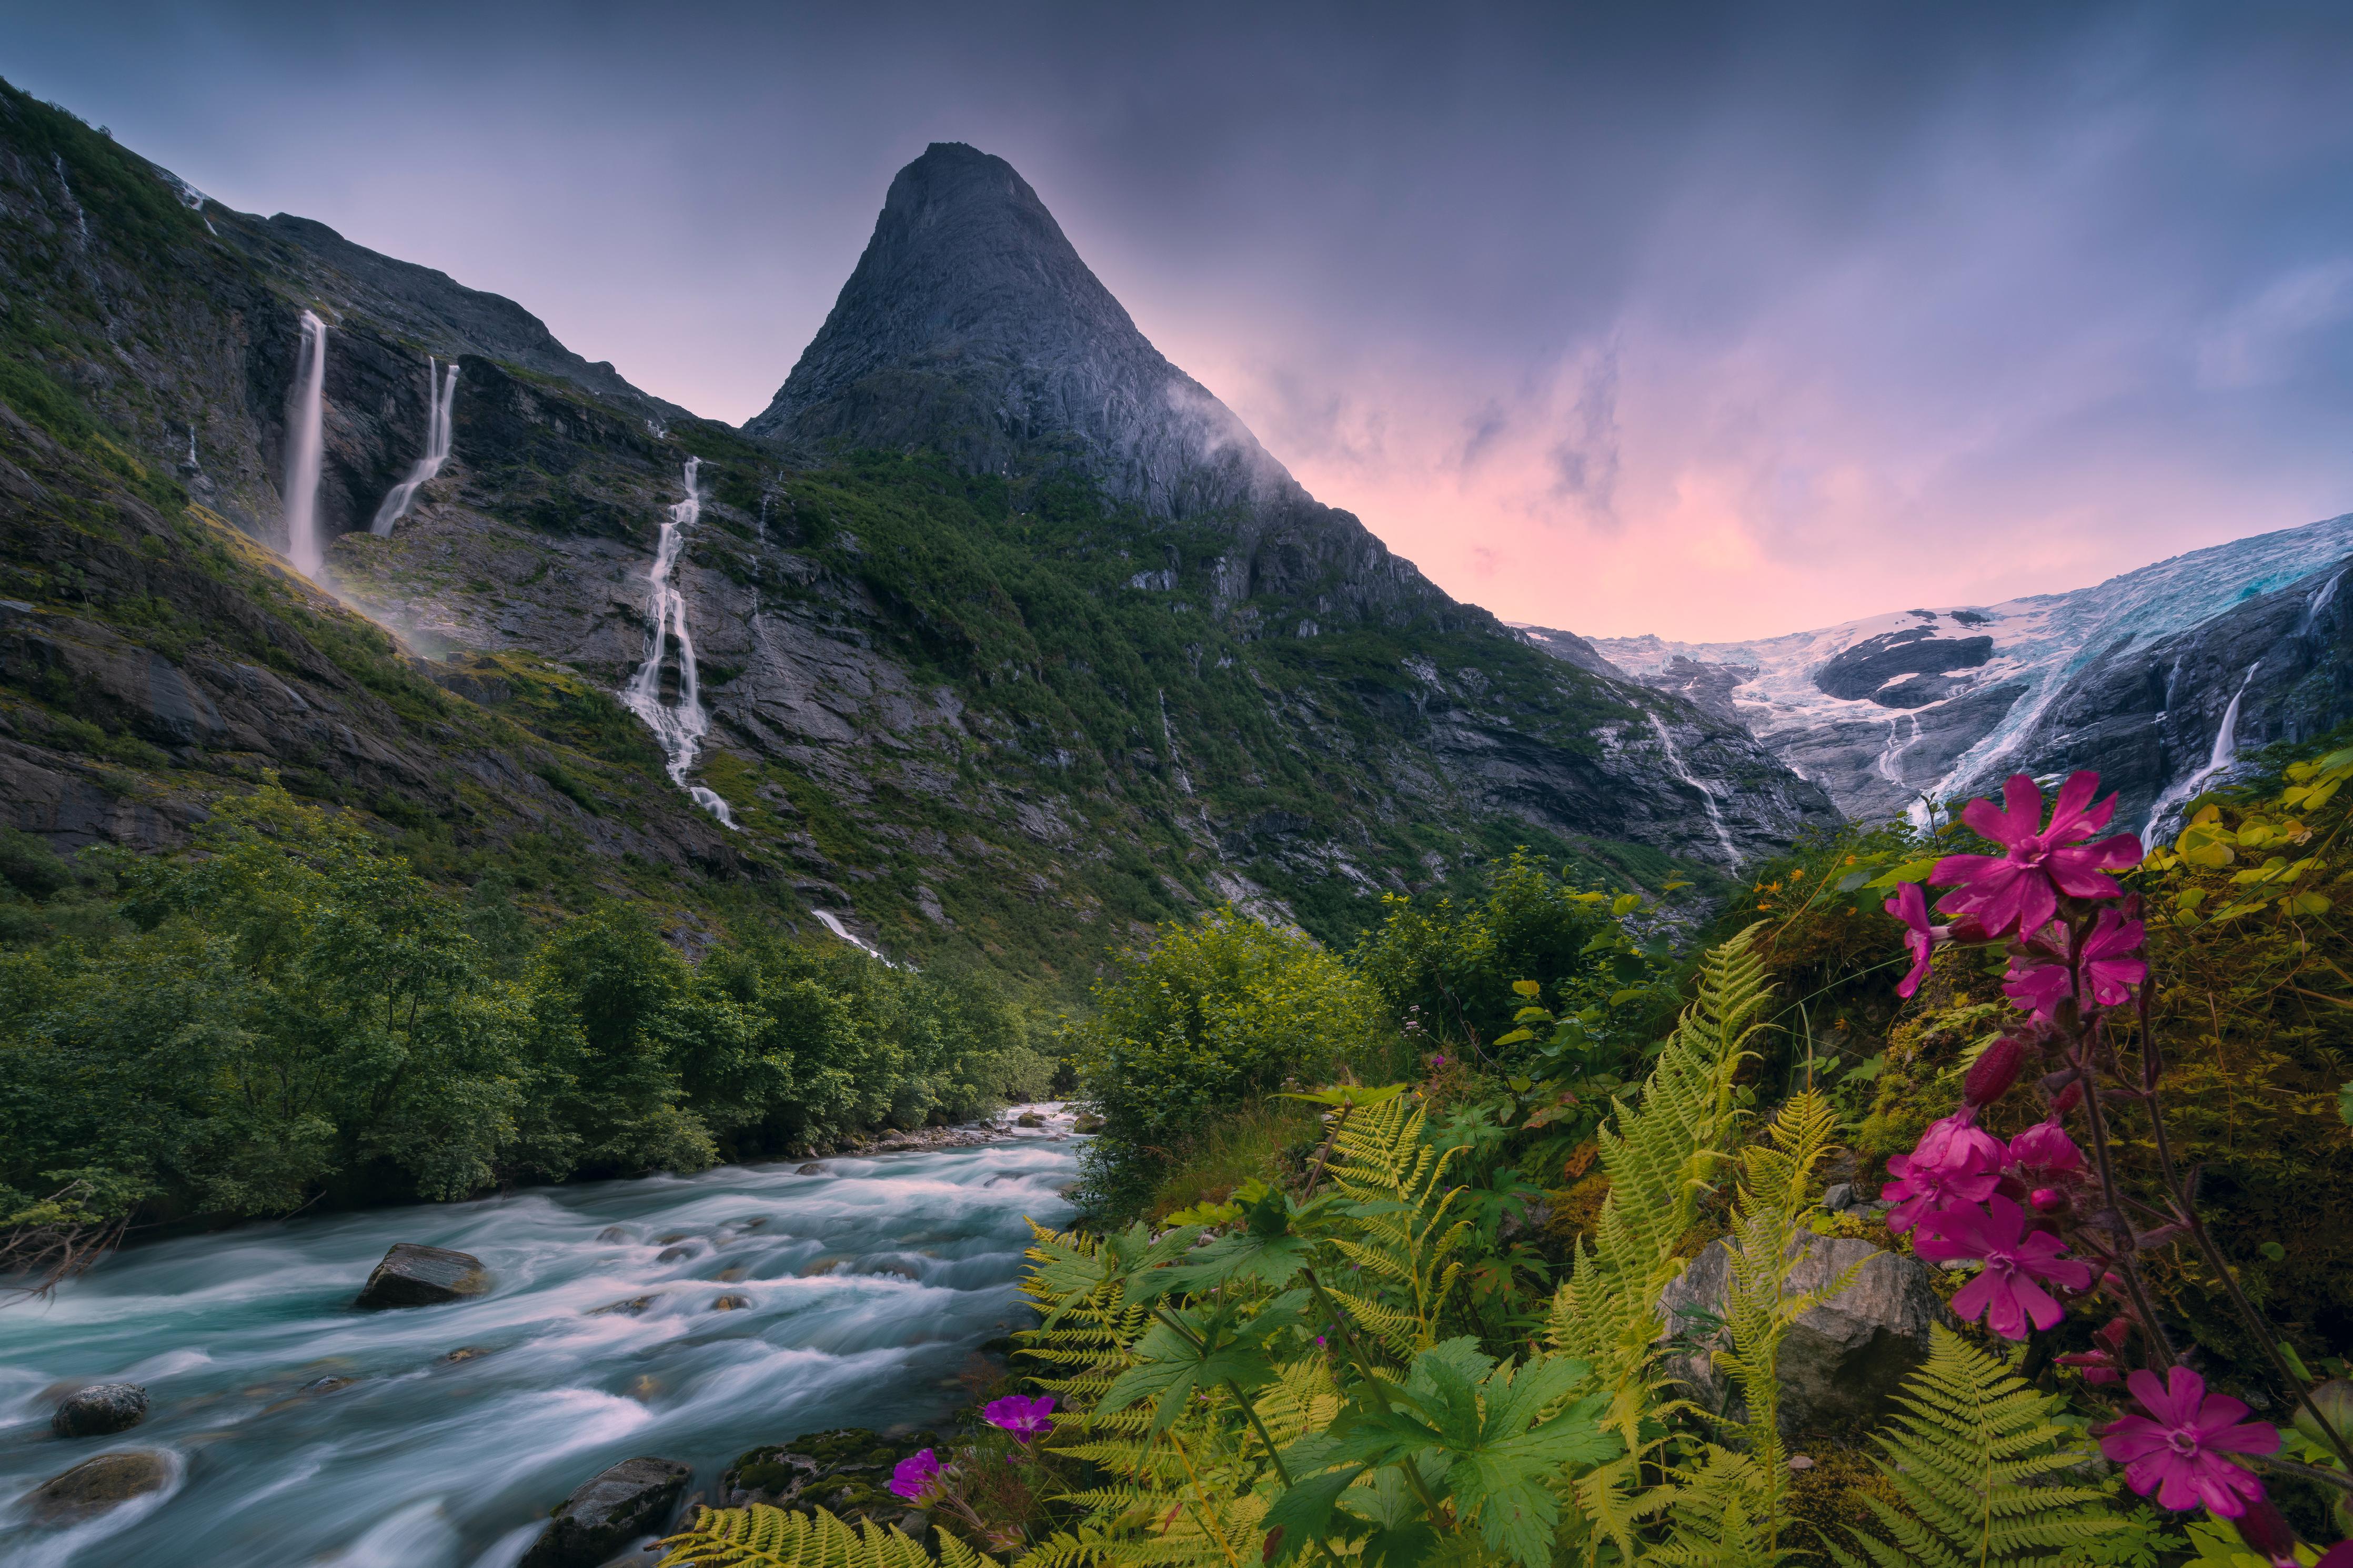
{"type": "Point", "coordinates": [414, 1276]}
{"type": "Point", "coordinates": [1087, 1122]}
{"type": "Point", "coordinates": [635, 1497]}
{"type": "Point", "coordinates": [102, 1409]}
{"type": "Point", "coordinates": [847, 1473]}
{"type": "Point", "coordinates": [1029, 1119]}
{"type": "Point", "coordinates": [94, 1486]}
{"type": "Point", "coordinates": [1843, 1361]}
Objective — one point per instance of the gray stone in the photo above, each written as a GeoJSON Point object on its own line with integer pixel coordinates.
{"type": "Point", "coordinates": [94, 1486]}
{"type": "Point", "coordinates": [635, 1497]}
{"type": "Point", "coordinates": [101, 1409]}
{"type": "Point", "coordinates": [414, 1276]}
{"type": "Point", "coordinates": [1842, 1361]}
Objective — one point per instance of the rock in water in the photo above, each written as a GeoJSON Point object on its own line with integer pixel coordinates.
{"type": "Point", "coordinates": [101, 1409]}
{"type": "Point", "coordinates": [635, 1497]}
{"type": "Point", "coordinates": [1841, 1363]}
{"type": "Point", "coordinates": [414, 1276]}
{"type": "Point", "coordinates": [92, 1486]}
{"type": "Point", "coordinates": [845, 1472]}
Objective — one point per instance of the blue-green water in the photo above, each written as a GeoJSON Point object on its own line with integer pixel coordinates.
{"type": "Point", "coordinates": [869, 1287]}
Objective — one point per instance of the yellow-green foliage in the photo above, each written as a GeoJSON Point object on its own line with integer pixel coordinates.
{"type": "Point", "coordinates": [1981, 1470]}
{"type": "Point", "coordinates": [1405, 1237]}
{"type": "Point", "coordinates": [1661, 1158]}
{"type": "Point", "coordinates": [764, 1537]}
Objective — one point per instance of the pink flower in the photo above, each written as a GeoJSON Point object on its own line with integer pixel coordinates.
{"type": "Point", "coordinates": [2020, 892]}
{"type": "Point", "coordinates": [1027, 1419]}
{"type": "Point", "coordinates": [916, 1475]}
{"type": "Point", "coordinates": [2046, 1156]}
{"type": "Point", "coordinates": [1955, 1162]}
{"type": "Point", "coordinates": [2176, 1450]}
{"type": "Point", "coordinates": [2008, 1290]}
{"type": "Point", "coordinates": [2109, 960]}
{"type": "Point", "coordinates": [1910, 905]}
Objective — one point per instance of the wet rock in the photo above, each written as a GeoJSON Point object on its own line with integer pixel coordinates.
{"type": "Point", "coordinates": [634, 1306]}
{"type": "Point", "coordinates": [731, 1303]}
{"type": "Point", "coordinates": [1842, 1362]}
{"type": "Point", "coordinates": [94, 1486]}
{"type": "Point", "coordinates": [635, 1497]}
{"type": "Point", "coordinates": [99, 1410]}
{"type": "Point", "coordinates": [675, 1236]}
{"type": "Point", "coordinates": [1029, 1119]}
{"type": "Point", "coordinates": [811, 1169]}
{"type": "Point", "coordinates": [672, 1253]}
{"type": "Point", "coordinates": [847, 1472]}
{"type": "Point", "coordinates": [615, 1233]}
{"type": "Point", "coordinates": [466, 1353]}
{"type": "Point", "coordinates": [414, 1276]}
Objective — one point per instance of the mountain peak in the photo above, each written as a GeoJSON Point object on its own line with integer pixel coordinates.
{"type": "Point", "coordinates": [972, 325]}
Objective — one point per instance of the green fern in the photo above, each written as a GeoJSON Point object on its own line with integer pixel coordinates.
{"type": "Point", "coordinates": [764, 1537]}
{"type": "Point", "coordinates": [1393, 1193]}
{"type": "Point", "coordinates": [1980, 1468]}
{"type": "Point", "coordinates": [1661, 1158]}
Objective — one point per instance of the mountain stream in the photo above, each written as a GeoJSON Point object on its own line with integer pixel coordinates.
{"type": "Point", "coordinates": [300, 1430]}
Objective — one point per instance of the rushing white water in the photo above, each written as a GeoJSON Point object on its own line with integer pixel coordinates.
{"type": "Point", "coordinates": [679, 726]}
{"type": "Point", "coordinates": [1707, 793]}
{"type": "Point", "coordinates": [2225, 752]}
{"type": "Point", "coordinates": [306, 449]}
{"type": "Point", "coordinates": [440, 398]}
{"type": "Point", "coordinates": [832, 922]}
{"type": "Point", "coordinates": [867, 1289]}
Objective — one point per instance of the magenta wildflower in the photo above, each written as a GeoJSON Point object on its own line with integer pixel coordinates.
{"type": "Point", "coordinates": [2046, 1156]}
{"type": "Point", "coordinates": [2110, 960]}
{"type": "Point", "coordinates": [1955, 1162]}
{"type": "Point", "coordinates": [2177, 1449]}
{"type": "Point", "coordinates": [2019, 890]}
{"type": "Point", "coordinates": [1027, 1419]}
{"type": "Point", "coordinates": [916, 1475]}
{"type": "Point", "coordinates": [2008, 1290]}
{"type": "Point", "coordinates": [1910, 905]}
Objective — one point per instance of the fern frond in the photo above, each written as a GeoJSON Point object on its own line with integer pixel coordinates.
{"type": "Point", "coordinates": [1664, 1155]}
{"type": "Point", "coordinates": [1398, 1211]}
{"type": "Point", "coordinates": [1980, 1468]}
{"type": "Point", "coordinates": [764, 1537]}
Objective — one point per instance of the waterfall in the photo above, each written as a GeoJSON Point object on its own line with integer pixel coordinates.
{"type": "Point", "coordinates": [2320, 601]}
{"type": "Point", "coordinates": [1706, 795]}
{"type": "Point", "coordinates": [2225, 752]}
{"type": "Point", "coordinates": [832, 922]}
{"type": "Point", "coordinates": [679, 727]}
{"type": "Point", "coordinates": [305, 448]}
{"type": "Point", "coordinates": [440, 397]}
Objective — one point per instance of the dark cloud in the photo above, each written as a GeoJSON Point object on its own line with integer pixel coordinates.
{"type": "Point", "coordinates": [2072, 285]}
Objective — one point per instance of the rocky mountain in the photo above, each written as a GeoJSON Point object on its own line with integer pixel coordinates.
{"type": "Point", "coordinates": [2159, 679]}
{"type": "Point", "coordinates": [995, 632]}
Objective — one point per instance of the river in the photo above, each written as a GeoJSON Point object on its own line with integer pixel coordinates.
{"type": "Point", "coordinates": [867, 1289]}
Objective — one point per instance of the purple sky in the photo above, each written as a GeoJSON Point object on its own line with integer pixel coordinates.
{"type": "Point", "coordinates": [1710, 322]}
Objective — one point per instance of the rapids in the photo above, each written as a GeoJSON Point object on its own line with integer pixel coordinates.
{"type": "Point", "coordinates": [870, 1288]}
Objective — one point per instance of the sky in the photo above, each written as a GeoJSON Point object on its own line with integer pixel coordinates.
{"type": "Point", "coordinates": [1715, 321]}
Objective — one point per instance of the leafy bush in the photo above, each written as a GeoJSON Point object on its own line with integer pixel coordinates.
{"type": "Point", "coordinates": [1212, 1015]}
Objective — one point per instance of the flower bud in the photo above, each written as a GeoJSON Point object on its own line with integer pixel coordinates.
{"type": "Point", "coordinates": [2069, 1097]}
{"type": "Point", "coordinates": [2267, 1532]}
{"type": "Point", "coordinates": [1996, 1068]}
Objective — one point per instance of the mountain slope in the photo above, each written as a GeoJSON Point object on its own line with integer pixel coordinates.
{"type": "Point", "coordinates": [2131, 677]}
{"type": "Point", "coordinates": [1013, 706]}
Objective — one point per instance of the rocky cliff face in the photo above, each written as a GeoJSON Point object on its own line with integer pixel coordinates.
{"type": "Point", "coordinates": [1083, 657]}
{"type": "Point", "coordinates": [2130, 676]}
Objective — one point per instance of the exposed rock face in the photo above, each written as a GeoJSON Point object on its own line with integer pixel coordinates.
{"type": "Point", "coordinates": [94, 1486]}
{"type": "Point", "coordinates": [100, 1410]}
{"type": "Point", "coordinates": [635, 1497]}
{"type": "Point", "coordinates": [2130, 677]}
{"type": "Point", "coordinates": [414, 1276]}
{"type": "Point", "coordinates": [1841, 1363]}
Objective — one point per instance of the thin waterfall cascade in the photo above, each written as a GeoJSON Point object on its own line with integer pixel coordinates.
{"type": "Point", "coordinates": [1708, 796]}
{"type": "Point", "coordinates": [306, 446]}
{"type": "Point", "coordinates": [440, 398]}
{"type": "Point", "coordinates": [2225, 752]}
{"type": "Point", "coordinates": [2320, 601]}
{"type": "Point", "coordinates": [679, 726]}
{"type": "Point", "coordinates": [832, 922]}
